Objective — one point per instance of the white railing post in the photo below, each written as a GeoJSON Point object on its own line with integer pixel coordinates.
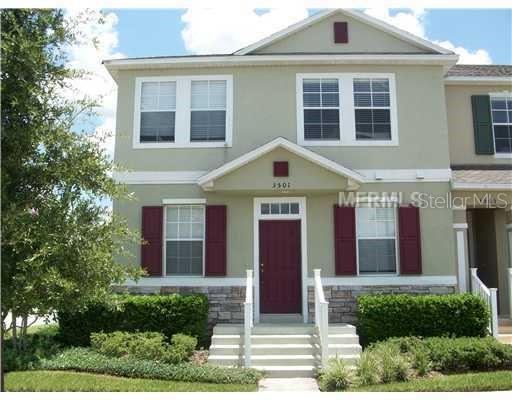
{"type": "Point", "coordinates": [248, 318]}
{"type": "Point", "coordinates": [494, 312]}
{"type": "Point", "coordinates": [321, 317]}
{"type": "Point", "coordinates": [510, 292]}
{"type": "Point", "coordinates": [473, 281]}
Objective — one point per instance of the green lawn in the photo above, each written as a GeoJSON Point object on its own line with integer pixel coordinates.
{"type": "Point", "coordinates": [60, 381]}
{"type": "Point", "coordinates": [474, 382]}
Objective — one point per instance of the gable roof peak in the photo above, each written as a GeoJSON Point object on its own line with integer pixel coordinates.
{"type": "Point", "coordinates": [357, 15]}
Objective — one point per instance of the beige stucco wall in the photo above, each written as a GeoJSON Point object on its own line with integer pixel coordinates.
{"type": "Point", "coordinates": [436, 224]}
{"type": "Point", "coordinates": [265, 108]}
{"type": "Point", "coordinates": [460, 123]}
{"type": "Point", "coordinates": [319, 38]}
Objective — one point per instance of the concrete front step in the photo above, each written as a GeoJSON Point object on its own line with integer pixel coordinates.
{"type": "Point", "coordinates": [278, 359]}
{"type": "Point", "coordinates": [506, 338]}
{"type": "Point", "coordinates": [505, 329]}
{"type": "Point", "coordinates": [284, 350]}
{"type": "Point", "coordinates": [281, 329]}
{"type": "Point", "coordinates": [285, 371]}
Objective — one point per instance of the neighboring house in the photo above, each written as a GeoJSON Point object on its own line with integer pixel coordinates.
{"type": "Point", "coordinates": [239, 161]}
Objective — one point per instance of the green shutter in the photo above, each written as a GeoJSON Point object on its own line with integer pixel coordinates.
{"type": "Point", "coordinates": [482, 124]}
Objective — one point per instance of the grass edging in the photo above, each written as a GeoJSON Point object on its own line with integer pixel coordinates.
{"type": "Point", "coordinates": [66, 381]}
{"type": "Point", "coordinates": [86, 360]}
{"type": "Point", "coordinates": [469, 382]}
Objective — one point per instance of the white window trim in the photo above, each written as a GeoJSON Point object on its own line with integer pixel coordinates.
{"type": "Point", "coordinates": [182, 112]}
{"type": "Point", "coordinates": [387, 203]}
{"type": "Point", "coordinates": [179, 202]}
{"type": "Point", "coordinates": [257, 216]}
{"type": "Point", "coordinates": [491, 95]}
{"type": "Point", "coordinates": [347, 110]}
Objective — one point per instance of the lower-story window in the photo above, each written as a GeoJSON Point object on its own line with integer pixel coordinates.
{"type": "Point", "coordinates": [184, 240]}
{"type": "Point", "coordinates": [376, 240]}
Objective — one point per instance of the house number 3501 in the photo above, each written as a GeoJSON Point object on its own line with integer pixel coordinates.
{"type": "Point", "coordinates": [281, 185]}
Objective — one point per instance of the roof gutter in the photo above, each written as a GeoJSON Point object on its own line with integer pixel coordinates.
{"type": "Point", "coordinates": [478, 80]}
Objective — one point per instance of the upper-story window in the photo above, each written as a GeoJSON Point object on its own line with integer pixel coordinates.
{"type": "Point", "coordinates": [346, 109]}
{"type": "Point", "coordinates": [321, 109]}
{"type": "Point", "coordinates": [372, 109]}
{"type": "Point", "coordinates": [501, 109]}
{"type": "Point", "coordinates": [183, 111]}
{"type": "Point", "coordinates": [208, 115]}
{"type": "Point", "coordinates": [157, 111]}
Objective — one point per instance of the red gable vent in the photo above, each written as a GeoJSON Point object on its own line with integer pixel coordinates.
{"type": "Point", "coordinates": [281, 168]}
{"type": "Point", "coordinates": [340, 32]}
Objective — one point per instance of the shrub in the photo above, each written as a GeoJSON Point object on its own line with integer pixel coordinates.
{"type": "Point", "coordinates": [384, 316]}
{"type": "Point", "coordinates": [468, 354]}
{"type": "Point", "coordinates": [87, 360]}
{"type": "Point", "coordinates": [336, 376]}
{"type": "Point", "coordinates": [40, 344]}
{"type": "Point", "coordinates": [415, 350]}
{"type": "Point", "coordinates": [167, 314]}
{"type": "Point", "coordinates": [144, 346]}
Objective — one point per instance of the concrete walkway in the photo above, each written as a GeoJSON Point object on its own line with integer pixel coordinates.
{"type": "Point", "coordinates": [287, 384]}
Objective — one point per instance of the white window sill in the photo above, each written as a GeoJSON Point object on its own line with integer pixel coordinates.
{"type": "Point", "coordinates": [503, 155]}
{"type": "Point", "coordinates": [192, 145]}
{"type": "Point", "coordinates": [366, 143]}
{"type": "Point", "coordinates": [320, 143]}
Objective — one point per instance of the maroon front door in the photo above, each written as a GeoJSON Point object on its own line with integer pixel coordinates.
{"type": "Point", "coordinates": [280, 277]}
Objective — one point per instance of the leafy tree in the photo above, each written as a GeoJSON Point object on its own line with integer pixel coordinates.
{"type": "Point", "coordinates": [60, 245]}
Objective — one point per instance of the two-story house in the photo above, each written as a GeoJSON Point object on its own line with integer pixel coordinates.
{"type": "Point", "coordinates": [328, 145]}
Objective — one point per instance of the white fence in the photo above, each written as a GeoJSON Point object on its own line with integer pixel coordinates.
{"type": "Point", "coordinates": [489, 296]}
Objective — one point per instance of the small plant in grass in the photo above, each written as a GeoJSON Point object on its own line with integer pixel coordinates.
{"type": "Point", "coordinates": [368, 369]}
{"type": "Point", "coordinates": [336, 376]}
{"type": "Point", "coordinates": [394, 365]}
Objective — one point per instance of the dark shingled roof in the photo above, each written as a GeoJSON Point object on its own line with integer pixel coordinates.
{"type": "Point", "coordinates": [480, 70]}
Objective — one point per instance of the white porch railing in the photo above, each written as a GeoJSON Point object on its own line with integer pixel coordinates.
{"type": "Point", "coordinates": [322, 318]}
{"type": "Point", "coordinates": [510, 292]}
{"type": "Point", "coordinates": [489, 295]}
{"type": "Point", "coordinates": [248, 318]}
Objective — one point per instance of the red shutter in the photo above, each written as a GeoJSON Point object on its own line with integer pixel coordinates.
{"type": "Point", "coordinates": [152, 232]}
{"type": "Point", "coordinates": [345, 240]}
{"type": "Point", "coordinates": [340, 32]}
{"type": "Point", "coordinates": [216, 217]}
{"type": "Point", "coordinates": [410, 240]}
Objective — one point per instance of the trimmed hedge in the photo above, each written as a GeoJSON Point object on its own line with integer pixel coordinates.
{"type": "Point", "coordinates": [167, 314]}
{"type": "Point", "coordinates": [144, 346]}
{"type": "Point", "coordinates": [384, 316]}
{"type": "Point", "coordinates": [86, 360]}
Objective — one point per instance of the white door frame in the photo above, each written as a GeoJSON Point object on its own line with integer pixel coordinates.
{"type": "Point", "coordinates": [304, 248]}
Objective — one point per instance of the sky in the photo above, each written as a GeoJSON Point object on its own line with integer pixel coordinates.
{"type": "Point", "coordinates": [478, 36]}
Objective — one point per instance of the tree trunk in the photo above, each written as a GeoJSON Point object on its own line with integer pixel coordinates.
{"type": "Point", "coordinates": [2, 355]}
